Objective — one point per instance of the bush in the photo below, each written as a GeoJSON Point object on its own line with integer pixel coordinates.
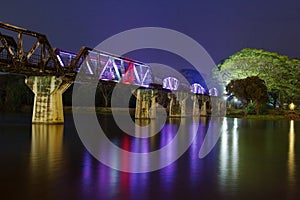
{"type": "Point", "coordinates": [251, 108]}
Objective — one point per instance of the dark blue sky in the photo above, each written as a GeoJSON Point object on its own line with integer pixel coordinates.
{"type": "Point", "coordinates": [222, 27]}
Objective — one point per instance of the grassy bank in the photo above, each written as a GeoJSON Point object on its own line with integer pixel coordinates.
{"type": "Point", "coordinates": [271, 114]}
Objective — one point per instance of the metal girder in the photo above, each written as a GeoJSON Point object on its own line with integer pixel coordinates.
{"type": "Point", "coordinates": [138, 74]}
{"type": "Point", "coordinates": [107, 66]}
{"type": "Point", "coordinates": [40, 59]}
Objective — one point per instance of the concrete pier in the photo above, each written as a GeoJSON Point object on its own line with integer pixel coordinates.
{"type": "Point", "coordinates": [48, 106]}
{"type": "Point", "coordinates": [196, 111]}
{"type": "Point", "coordinates": [204, 100]}
{"type": "Point", "coordinates": [174, 107]}
{"type": "Point", "coordinates": [145, 104]}
{"type": "Point", "coordinates": [177, 106]}
{"type": "Point", "coordinates": [218, 106]}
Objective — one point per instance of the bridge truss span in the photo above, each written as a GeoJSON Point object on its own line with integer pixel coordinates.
{"type": "Point", "coordinates": [105, 66]}
{"type": "Point", "coordinates": [26, 52]}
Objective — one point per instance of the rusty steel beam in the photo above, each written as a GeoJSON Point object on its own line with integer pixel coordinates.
{"type": "Point", "coordinates": [19, 61]}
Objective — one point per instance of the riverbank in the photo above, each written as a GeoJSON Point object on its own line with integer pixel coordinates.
{"type": "Point", "coordinates": [237, 113]}
{"type": "Point", "coordinates": [271, 114]}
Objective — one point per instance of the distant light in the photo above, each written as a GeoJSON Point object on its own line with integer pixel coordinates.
{"type": "Point", "coordinates": [292, 106]}
{"type": "Point", "coordinates": [235, 99]}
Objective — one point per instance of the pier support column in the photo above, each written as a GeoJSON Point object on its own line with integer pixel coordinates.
{"type": "Point", "coordinates": [196, 110]}
{"type": "Point", "coordinates": [174, 107]}
{"type": "Point", "coordinates": [203, 111]}
{"type": "Point", "coordinates": [218, 106]}
{"type": "Point", "coordinates": [48, 106]}
{"type": "Point", "coordinates": [145, 99]}
{"type": "Point", "coordinates": [182, 97]}
{"type": "Point", "coordinates": [177, 104]}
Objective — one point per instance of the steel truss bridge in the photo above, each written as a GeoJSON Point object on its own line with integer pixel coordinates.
{"type": "Point", "coordinates": [27, 52]}
{"type": "Point", "coordinates": [50, 71]}
{"type": "Point", "coordinates": [39, 59]}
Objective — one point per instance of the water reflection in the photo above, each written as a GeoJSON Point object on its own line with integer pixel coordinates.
{"type": "Point", "coordinates": [128, 184]}
{"type": "Point", "coordinates": [291, 155]}
{"type": "Point", "coordinates": [261, 163]}
{"type": "Point", "coordinates": [46, 150]}
{"type": "Point", "coordinates": [229, 154]}
{"type": "Point", "coordinates": [235, 149]}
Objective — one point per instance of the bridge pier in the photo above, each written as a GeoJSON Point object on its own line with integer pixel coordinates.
{"type": "Point", "coordinates": [219, 106]}
{"type": "Point", "coordinates": [145, 104]}
{"type": "Point", "coordinates": [48, 106]}
{"type": "Point", "coordinates": [196, 110]}
{"type": "Point", "coordinates": [177, 104]}
{"type": "Point", "coordinates": [203, 111]}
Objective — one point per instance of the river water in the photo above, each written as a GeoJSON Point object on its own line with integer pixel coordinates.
{"type": "Point", "coordinates": [253, 159]}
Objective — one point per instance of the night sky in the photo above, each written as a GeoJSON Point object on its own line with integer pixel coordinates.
{"type": "Point", "coordinates": [221, 27]}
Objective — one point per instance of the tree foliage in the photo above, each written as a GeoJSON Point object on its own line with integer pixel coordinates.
{"type": "Point", "coordinates": [249, 90]}
{"type": "Point", "coordinates": [105, 88]}
{"type": "Point", "coordinates": [281, 74]}
{"type": "Point", "coordinates": [14, 93]}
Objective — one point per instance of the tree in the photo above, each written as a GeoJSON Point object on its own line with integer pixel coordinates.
{"type": "Point", "coordinates": [13, 92]}
{"type": "Point", "coordinates": [249, 90]}
{"type": "Point", "coordinates": [106, 89]}
{"type": "Point", "coordinates": [281, 74]}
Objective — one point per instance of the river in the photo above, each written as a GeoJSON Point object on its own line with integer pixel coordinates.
{"type": "Point", "coordinates": [253, 159]}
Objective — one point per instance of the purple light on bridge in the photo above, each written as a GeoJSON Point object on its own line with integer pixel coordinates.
{"type": "Point", "coordinates": [213, 92]}
{"type": "Point", "coordinates": [64, 57]}
{"type": "Point", "coordinates": [171, 83]}
{"type": "Point", "coordinates": [196, 88]}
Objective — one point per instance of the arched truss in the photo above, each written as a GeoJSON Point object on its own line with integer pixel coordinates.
{"type": "Point", "coordinates": [171, 83]}
{"type": "Point", "coordinates": [196, 88]}
{"type": "Point", "coordinates": [213, 92]}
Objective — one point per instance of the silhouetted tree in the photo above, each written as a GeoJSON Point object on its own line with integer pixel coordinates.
{"type": "Point", "coordinates": [250, 90]}
{"type": "Point", "coordinates": [105, 88]}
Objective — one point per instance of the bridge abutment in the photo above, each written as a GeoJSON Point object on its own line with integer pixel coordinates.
{"type": "Point", "coordinates": [48, 106]}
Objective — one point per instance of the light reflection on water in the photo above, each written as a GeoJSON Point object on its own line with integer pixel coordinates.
{"type": "Point", "coordinates": [291, 156]}
{"type": "Point", "coordinates": [229, 155]}
{"type": "Point", "coordinates": [46, 150]}
{"type": "Point", "coordinates": [252, 159]}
